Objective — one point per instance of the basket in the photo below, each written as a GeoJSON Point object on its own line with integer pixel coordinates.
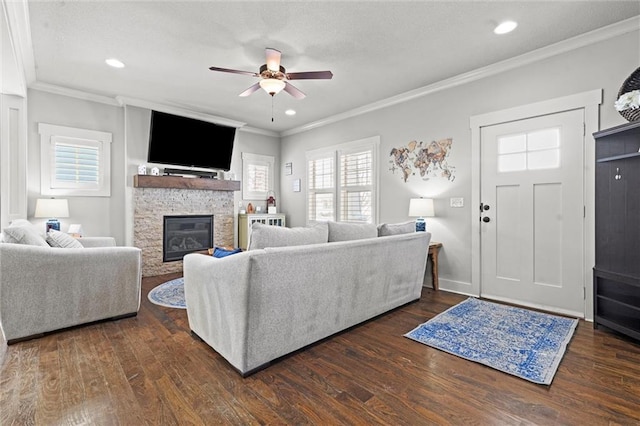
{"type": "Point", "coordinates": [631, 83]}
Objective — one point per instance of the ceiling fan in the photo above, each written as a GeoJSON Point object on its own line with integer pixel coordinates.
{"type": "Point", "coordinates": [274, 78]}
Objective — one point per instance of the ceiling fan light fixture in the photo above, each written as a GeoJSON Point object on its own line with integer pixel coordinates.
{"type": "Point", "coordinates": [272, 86]}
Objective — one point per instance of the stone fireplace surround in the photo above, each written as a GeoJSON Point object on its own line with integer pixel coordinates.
{"type": "Point", "coordinates": [157, 196]}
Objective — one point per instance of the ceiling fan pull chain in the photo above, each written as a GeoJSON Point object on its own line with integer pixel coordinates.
{"type": "Point", "coordinates": [272, 108]}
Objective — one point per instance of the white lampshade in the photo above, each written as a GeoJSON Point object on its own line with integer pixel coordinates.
{"type": "Point", "coordinates": [52, 207]}
{"type": "Point", "coordinates": [272, 86]}
{"type": "Point", "coordinates": [421, 207]}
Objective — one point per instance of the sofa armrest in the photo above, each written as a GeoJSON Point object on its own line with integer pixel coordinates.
{"type": "Point", "coordinates": [97, 241]}
{"type": "Point", "coordinates": [44, 289]}
{"type": "Point", "coordinates": [217, 297]}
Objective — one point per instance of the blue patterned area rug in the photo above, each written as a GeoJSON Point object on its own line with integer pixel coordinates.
{"type": "Point", "coordinates": [518, 341]}
{"type": "Point", "coordinates": [169, 294]}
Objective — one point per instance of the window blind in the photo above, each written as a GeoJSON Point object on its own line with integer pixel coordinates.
{"type": "Point", "coordinates": [356, 186]}
{"type": "Point", "coordinates": [321, 195]}
{"type": "Point", "coordinates": [77, 164]}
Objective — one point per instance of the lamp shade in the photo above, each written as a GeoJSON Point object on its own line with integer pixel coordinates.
{"type": "Point", "coordinates": [272, 86]}
{"type": "Point", "coordinates": [421, 207]}
{"type": "Point", "coordinates": [52, 207]}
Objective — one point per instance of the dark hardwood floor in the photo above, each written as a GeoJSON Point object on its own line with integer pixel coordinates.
{"type": "Point", "coordinates": [149, 370]}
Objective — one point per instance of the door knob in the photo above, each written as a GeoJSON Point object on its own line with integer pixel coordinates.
{"type": "Point", "coordinates": [486, 219]}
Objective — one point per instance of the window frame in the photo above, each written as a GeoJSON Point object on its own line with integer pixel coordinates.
{"type": "Point", "coordinates": [249, 160]}
{"type": "Point", "coordinates": [52, 135]}
{"type": "Point", "coordinates": [335, 152]}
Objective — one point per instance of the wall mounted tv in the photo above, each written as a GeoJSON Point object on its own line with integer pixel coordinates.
{"type": "Point", "coordinates": [182, 141]}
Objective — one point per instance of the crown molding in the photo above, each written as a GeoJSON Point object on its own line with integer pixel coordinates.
{"type": "Point", "coordinates": [172, 109]}
{"type": "Point", "coordinates": [17, 16]}
{"type": "Point", "coordinates": [258, 131]}
{"type": "Point", "coordinates": [586, 39]}
{"type": "Point", "coordinates": [73, 93]}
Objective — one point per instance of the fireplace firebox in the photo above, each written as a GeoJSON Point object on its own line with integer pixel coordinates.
{"type": "Point", "coordinates": [186, 234]}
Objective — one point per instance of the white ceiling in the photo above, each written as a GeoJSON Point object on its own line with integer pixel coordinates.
{"type": "Point", "coordinates": [375, 49]}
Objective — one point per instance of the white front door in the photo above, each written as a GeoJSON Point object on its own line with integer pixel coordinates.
{"type": "Point", "coordinates": [532, 212]}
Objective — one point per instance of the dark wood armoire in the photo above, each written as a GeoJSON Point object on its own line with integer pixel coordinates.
{"type": "Point", "coordinates": [616, 275]}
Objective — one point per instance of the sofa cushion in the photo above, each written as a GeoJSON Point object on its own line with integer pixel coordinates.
{"type": "Point", "coordinates": [60, 239]}
{"type": "Point", "coordinates": [263, 236]}
{"type": "Point", "coordinates": [385, 229]}
{"type": "Point", "coordinates": [343, 231]}
{"type": "Point", "coordinates": [25, 234]}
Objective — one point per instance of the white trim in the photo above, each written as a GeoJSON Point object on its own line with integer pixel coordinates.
{"type": "Point", "coordinates": [587, 101]}
{"type": "Point", "coordinates": [176, 110]}
{"type": "Point", "coordinates": [595, 36]}
{"type": "Point", "coordinates": [257, 131]}
{"type": "Point", "coordinates": [248, 159]}
{"type": "Point", "coordinates": [17, 13]}
{"type": "Point", "coordinates": [73, 93]}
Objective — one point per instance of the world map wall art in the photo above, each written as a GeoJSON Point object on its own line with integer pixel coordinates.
{"type": "Point", "coordinates": [427, 159]}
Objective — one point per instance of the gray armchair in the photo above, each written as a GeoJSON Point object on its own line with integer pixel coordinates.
{"type": "Point", "coordinates": [43, 289]}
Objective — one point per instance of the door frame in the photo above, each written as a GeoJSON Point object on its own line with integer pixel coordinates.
{"type": "Point", "coordinates": [588, 102]}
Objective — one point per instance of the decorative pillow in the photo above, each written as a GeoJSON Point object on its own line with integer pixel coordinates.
{"type": "Point", "coordinates": [62, 240]}
{"type": "Point", "coordinates": [343, 231]}
{"type": "Point", "coordinates": [278, 236]}
{"type": "Point", "coordinates": [220, 252]}
{"type": "Point", "coordinates": [24, 235]}
{"type": "Point", "coordinates": [385, 229]}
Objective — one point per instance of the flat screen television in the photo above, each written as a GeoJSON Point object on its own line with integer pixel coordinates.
{"type": "Point", "coordinates": [183, 141]}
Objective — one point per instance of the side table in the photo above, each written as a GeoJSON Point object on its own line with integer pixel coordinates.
{"type": "Point", "coordinates": [434, 248]}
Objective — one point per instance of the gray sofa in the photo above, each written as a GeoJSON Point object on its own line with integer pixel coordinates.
{"type": "Point", "coordinates": [258, 305]}
{"type": "Point", "coordinates": [44, 288]}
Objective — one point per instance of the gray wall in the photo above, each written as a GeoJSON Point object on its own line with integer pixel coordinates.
{"type": "Point", "coordinates": [445, 114]}
{"type": "Point", "coordinates": [98, 215]}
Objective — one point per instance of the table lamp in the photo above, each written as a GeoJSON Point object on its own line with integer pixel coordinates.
{"type": "Point", "coordinates": [52, 208]}
{"type": "Point", "coordinates": [421, 208]}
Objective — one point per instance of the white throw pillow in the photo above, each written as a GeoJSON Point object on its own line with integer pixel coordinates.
{"type": "Point", "coordinates": [385, 229]}
{"type": "Point", "coordinates": [263, 236]}
{"type": "Point", "coordinates": [23, 235]}
{"type": "Point", "coordinates": [62, 240]}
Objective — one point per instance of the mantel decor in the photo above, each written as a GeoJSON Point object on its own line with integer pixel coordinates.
{"type": "Point", "coordinates": [628, 103]}
{"type": "Point", "coordinates": [179, 182]}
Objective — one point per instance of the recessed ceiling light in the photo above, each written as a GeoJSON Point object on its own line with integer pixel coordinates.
{"type": "Point", "coordinates": [113, 62]}
{"type": "Point", "coordinates": [505, 27]}
{"type": "Point", "coordinates": [290, 112]}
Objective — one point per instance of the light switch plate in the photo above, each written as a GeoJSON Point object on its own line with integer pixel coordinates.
{"type": "Point", "coordinates": [456, 202]}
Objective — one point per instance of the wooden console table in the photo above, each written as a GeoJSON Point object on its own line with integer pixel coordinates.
{"type": "Point", "coordinates": [434, 248]}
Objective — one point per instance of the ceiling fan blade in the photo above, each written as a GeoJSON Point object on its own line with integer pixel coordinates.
{"type": "Point", "coordinates": [250, 90]}
{"type": "Point", "coordinates": [310, 75]}
{"type": "Point", "coordinates": [254, 74]}
{"type": "Point", "coordinates": [273, 59]}
{"type": "Point", "coordinates": [293, 91]}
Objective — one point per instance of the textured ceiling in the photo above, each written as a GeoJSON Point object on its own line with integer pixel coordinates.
{"type": "Point", "coordinates": [375, 49]}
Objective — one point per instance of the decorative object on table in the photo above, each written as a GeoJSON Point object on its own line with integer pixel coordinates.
{"type": "Point", "coordinates": [75, 230]}
{"type": "Point", "coordinates": [155, 171]}
{"type": "Point", "coordinates": [53, 208]}
{"type": "Point", "coordinates": [142, 169]}
{"type": "Point", "coordinates": [517, 341]}
{"type": "Point", "coordinates": [628, 103]}
{"type": "Point", "coordinates": [421, 208]}
{"type": "Point", "coordinates": [271, 203]}
{"type": "Point", "coordinates": [224, 252]}
{"type": "Point", "coordinates": [250, 208]}
{"type": "Point", "coordinates": [169, 294]}
{"type": "Point", "coordinates": [428, 159]}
